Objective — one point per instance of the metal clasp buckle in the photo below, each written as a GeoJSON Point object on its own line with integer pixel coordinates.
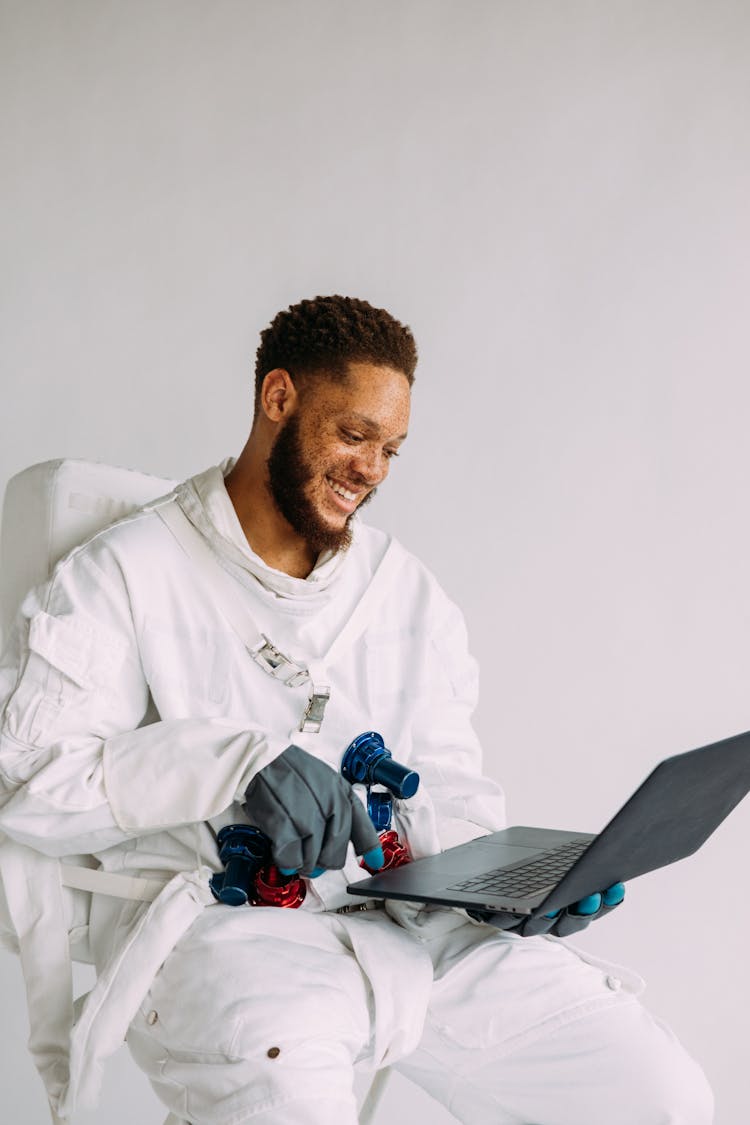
{"type": "Point", "coordinates": [312, 720]}
{"type": "Point", "coordinates": [276, 664]}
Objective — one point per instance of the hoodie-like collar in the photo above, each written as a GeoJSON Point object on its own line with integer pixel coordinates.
{"type": "Point", "coordinates": [207, 504]}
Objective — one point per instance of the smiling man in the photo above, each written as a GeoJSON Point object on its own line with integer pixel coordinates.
{"type": "Point", "coordinates": [138, 723]}
{"type": "Point", "coordinates": [320, 447]}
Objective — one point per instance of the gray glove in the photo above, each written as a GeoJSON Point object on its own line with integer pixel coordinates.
{"type": "Point", "coordinates": [561, 923]}
{"type": "Point", "coordinates": [310, 814]}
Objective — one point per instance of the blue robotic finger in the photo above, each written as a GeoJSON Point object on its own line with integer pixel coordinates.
{"type": "Point", "coordinates": [374, 859]}
{"type": "Point", "coordinates": [586, 906]}
{"type": "Point", "coordinates": [293, 871]}
{"type": "Point", "coordinates": [614, 895]}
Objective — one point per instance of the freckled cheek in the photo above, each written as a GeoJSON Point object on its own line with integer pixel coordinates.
{"type": "Point", "coordinates": [339, 459]}
{"type": "Point", "coordinates": [327, 458]}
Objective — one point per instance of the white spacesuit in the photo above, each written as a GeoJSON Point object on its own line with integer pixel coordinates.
{"type": "Point", "coordinates": [242, 1014]}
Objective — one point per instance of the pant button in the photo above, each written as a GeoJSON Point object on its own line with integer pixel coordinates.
{"type": "Point", "coordinates": [273, 1052]}
{"type": "Point", "coordinates": [151, 1018]}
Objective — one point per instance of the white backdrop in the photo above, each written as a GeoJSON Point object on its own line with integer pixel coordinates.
{"type": "Point", "coordinates": [554, 196]}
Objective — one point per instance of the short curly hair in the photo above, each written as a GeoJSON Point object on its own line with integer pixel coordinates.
{"type": "Point", "coordinates": [324, 335]}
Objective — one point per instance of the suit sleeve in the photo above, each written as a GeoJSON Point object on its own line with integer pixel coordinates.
{"type": "Point", "coordinates": [78, 770]}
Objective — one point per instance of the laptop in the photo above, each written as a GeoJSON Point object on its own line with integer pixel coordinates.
{"type": "Point", "coordinates": [537, 870]}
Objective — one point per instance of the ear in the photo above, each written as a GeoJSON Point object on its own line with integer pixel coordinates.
{"type": "Point", "coordinates": [278, 395]}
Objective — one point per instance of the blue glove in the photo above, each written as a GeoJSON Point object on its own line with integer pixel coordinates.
{"type": "Point", "coordinates": [309, 814]}
{"type": "Point", "coordinates": [561, 923]}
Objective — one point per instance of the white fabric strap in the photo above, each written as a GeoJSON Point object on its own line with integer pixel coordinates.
{"type": "Point", "coordinates": [221, 583]}
{"type": "Point", "coordinates": [374, 1095]}
{"type": "Point", "coordinates": [109, 883]}
{"type": "Point", "coordinates": [234, 607]}
{"type": "Point", "coordinates": [37, 912]}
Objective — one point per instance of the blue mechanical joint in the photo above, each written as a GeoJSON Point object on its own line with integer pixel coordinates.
{"type": "Point", "coordinates": [380, 808]}
{"type": "Point", "coordinates": [367, 761]}
{"type": "Point", "coordinates": [243, 850]}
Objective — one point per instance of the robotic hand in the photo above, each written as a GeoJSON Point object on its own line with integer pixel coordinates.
{"type": "Point", "coordinates": [561, 923]}
{"type": "Point", "coordinates": [368, 761]}
{"type": "Point", "coordinates": [310, 813]}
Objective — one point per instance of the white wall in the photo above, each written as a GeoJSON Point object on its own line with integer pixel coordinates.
{"type": "Point", "coordinates": [554, 196]}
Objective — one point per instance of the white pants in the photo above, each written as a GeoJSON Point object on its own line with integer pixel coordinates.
{"type": "Point", "coordinates": [266, 1024]}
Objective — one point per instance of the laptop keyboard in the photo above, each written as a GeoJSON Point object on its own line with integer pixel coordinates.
{"type": "Point", "coordinates": [528, 878]}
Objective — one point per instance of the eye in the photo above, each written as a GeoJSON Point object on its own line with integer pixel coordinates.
{"type": "Point", "coordinates": [351, 437]}
{"type": "Point", "coordinates": [390, 453]}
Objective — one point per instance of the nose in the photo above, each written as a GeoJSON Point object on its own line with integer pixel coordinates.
{"type": "Point", "coordinates": [370, 465]}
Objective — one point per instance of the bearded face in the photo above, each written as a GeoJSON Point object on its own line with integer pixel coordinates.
{"type": "Point", "coordinates": [334, 449]}
{"type": "Point", "coordinates": [291, 472]}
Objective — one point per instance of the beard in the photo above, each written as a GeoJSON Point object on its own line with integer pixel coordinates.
{"type": "Point", "coordinates": [288, 474]}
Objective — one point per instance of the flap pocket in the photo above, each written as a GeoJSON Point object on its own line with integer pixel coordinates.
{"type": "Point", "coordinates": [88, 655]}
{"type": "Point", "coordinates": [63, 645]}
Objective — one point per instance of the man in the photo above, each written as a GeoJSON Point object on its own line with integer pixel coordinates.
{"type": "Point", "coordinates": [262, 1014]}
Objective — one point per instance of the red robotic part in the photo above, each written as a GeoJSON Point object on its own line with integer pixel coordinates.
{"type": "Point", "coordinates": [396, 854]}
{"type": "Point", "coordinates": [274, 889]}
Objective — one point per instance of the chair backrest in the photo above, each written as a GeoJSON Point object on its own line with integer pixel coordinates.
{"type": "Point", "coordinates": [54, 506]}
{"type": "Point", "coordinates": [48, 510]}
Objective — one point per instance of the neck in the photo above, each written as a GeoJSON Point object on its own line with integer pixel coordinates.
{"type": "Point", "coordinates": [266, 530]}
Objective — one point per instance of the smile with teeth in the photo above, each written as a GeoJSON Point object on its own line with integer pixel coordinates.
{"type": "Point", "coordinates": [341, 491]}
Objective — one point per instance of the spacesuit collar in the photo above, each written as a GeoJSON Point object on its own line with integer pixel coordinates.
{"type": "Point", "coordinates": [206, 502]}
